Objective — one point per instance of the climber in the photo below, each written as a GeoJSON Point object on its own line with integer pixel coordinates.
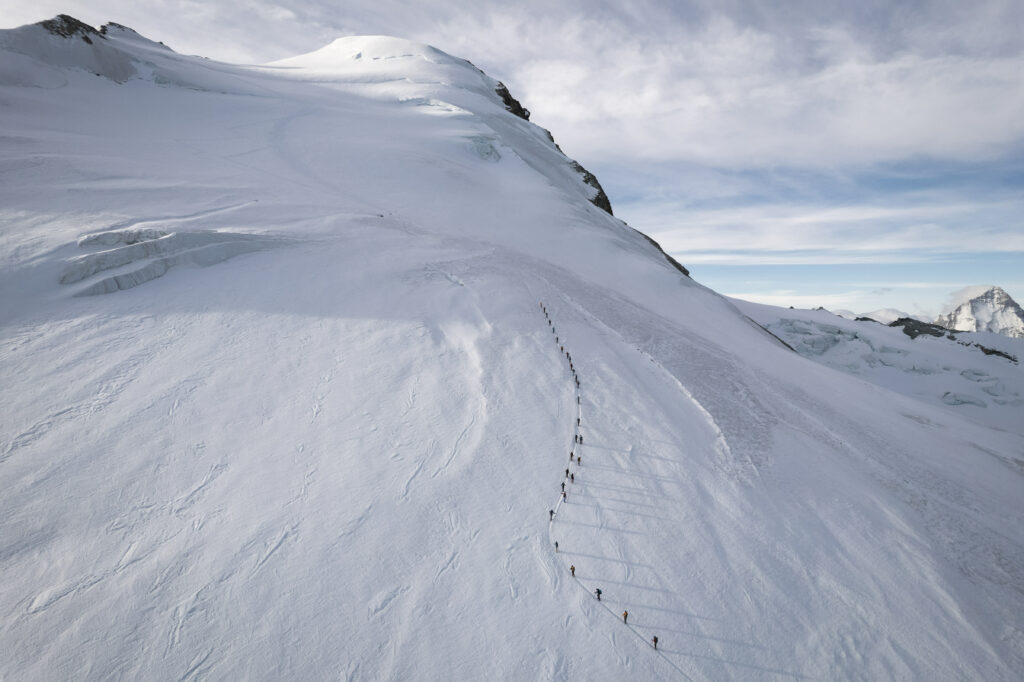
{"type": "Point", "coordinates": [598, 593]}
{"type": "Point", "coordinates": [625, 616]}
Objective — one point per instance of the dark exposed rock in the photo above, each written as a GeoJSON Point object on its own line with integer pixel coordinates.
{"type": "Point", "coordinates": [67, 26]}
{"type": "Point", "coordinates": [676, 264]}
{"type": "Point", "coordinates": [867, 319]}
{"type": "Point", "coordinates": [914, 328]}
{"type": "Point", "coordinates": [993, 351]}
{"type": "Point", "coordinates": [511, 103]}
{"type": "Point", "coordinates": [113, 24]}
{"type": "Point", "coordinates": [552, 138]}
{"type": "Point", "coordinates": [600, 199]}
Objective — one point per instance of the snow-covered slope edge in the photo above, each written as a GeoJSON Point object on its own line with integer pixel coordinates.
{"type": "Point", "coordinates": [337, 457]}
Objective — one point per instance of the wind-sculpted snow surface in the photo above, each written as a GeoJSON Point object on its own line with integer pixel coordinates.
{"type": "Point", "coordinates": [337, 459]}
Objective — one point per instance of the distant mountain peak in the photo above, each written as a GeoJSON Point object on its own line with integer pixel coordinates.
{"type": "Point", "coordinates": [988, 309]}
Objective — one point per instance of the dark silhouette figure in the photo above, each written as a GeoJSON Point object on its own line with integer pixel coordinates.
{"type": "Point", "coordinates": [572, 569]}
{"type": "Point", "coordinates": [563, 486]}
{"type": "Point", "coordinates": [579, 460]}
{"type": "Point", "coordinates": [572, 478]}
{"type": "Point", "coordinates": [598, 593]}
{"type": "Point", "coordinates": [566, 472]}
{"type": "Point", "coordinates": [625, 616]}
{"type": "Point", "coordinates": [551, 514]}
{"type": "Point", "coordinates": [655, 641]}
{"type": "Point", "coordinates": [556, 546]}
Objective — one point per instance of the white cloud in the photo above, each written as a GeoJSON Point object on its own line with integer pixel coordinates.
{"type": "Point", "coordinates": [787, 233]}
{"type": "Point", "coordinates": [721, 84]}
{"type": "Point", "coordinates": [786, 298]}
{"type": "Point", "coordinates": [961, 296]}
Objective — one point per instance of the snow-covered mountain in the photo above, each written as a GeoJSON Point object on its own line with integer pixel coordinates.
{"type": "Point", "coordinates": [985, 309]}
{"type": "Point", "coordinates": [289, 358]}
{"type": "Point", "coordinates": [883, 315]}
{"type": "Point", "coordinates": [886, 315]}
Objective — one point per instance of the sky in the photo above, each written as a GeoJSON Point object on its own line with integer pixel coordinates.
{"type": "Point", "coordinates": [853, 155]}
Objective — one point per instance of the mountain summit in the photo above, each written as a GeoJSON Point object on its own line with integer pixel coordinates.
{"type": "Point", "coordinates": [991, 310]}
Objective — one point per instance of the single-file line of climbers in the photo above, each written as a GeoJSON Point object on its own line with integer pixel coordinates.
{"type": "Point", "coordinates": [574, 457]}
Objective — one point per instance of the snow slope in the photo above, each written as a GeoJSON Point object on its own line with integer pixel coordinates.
{"type": "Point", "coordinates": [280, 402]}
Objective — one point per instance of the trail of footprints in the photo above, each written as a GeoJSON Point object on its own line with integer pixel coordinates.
{"type": "Point", "coordinates": [575, 459]}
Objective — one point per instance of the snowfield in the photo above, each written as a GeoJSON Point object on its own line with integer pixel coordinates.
{"type": "Point", "coordinates": [280, 401]}
{"type": "Point", "coordinates": [977, 373]}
